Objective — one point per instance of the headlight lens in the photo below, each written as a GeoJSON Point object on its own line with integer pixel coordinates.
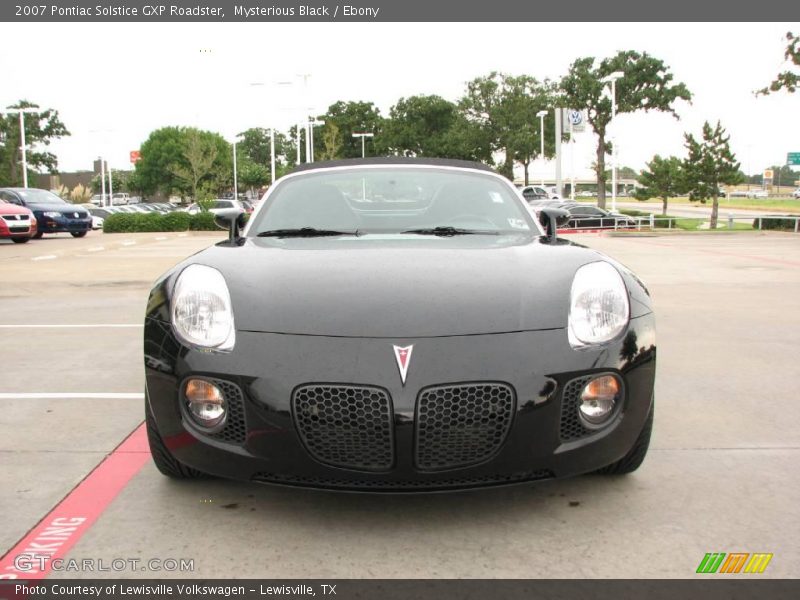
{"type": "Point", "coordinates": [599, 309]}
{"type": "Point", "coordinates": [201, 309]}
{"type": "Point", "coordinates": [53, 215]}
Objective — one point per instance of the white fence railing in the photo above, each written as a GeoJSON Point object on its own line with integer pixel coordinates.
{"type": "Point", "coordinates": [649, 222]}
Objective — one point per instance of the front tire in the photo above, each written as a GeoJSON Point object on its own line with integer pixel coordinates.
{"type": "Point", "coordinates": [635, 456]}
{"type": "Point", "coordinates": [77, 234]}
{"type": "Point", "coordinates": [165, 462]}
{"type": "Point", "coordinates": [20, 240]}
{"type": "Point", "coordinates": [38, 235]}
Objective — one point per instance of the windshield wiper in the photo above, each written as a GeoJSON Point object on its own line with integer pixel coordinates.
{"type": "Point", "coordinates": [448, 231]}
{"type": "Point", "coordinates": [305, 232]}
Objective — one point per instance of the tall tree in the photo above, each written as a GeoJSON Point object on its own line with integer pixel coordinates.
{"type": "Point", "coordinates": [41, 128]}
{"type": "Point", "coordinates": [331, 141]}
{"type": "Point", "coordinates": [349, 118]}
{"type": "Point", "coordinates": [789, 79]}
{"type": "Point", "coordinates": [254, 144]}
{"type": "Point", "coordinates": [251, 175]}
{"type": "Point", "coordinates": [663, 178]}
{"type": "Point", "coordinates": [647, 84]}
{"type": "Point", "coordinates": [173, 159]}
{"type": "Point", "coordinates": [709, 164]}
{"type": "Point", "coordinates": [434, 127]}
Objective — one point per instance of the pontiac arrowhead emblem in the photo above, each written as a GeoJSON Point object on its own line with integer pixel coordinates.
{"type": "Point", "coordinates": [403, 356]}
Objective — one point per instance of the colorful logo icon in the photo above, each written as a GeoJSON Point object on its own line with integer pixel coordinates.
{"type": "Point", "coordinates": [734, 562]}
{"type": "Point", "coordinates": [403, 356]}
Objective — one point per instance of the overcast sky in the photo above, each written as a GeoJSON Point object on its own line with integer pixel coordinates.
{"type": "Point", "coordinates": [115, 83]}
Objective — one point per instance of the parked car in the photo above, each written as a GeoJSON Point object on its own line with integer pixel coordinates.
{"type": "Point", "coordinates": [585, 194]}
{"type": "Point", "coordinates": [53, 215]}
{"type": "Point", "coordinates": [535, 192]}
{"type": "Point", "coordinates": [120, 198]}
{"type": "Point", "coordinates": [796, 194]}
{"type": "Point", "coordinates": [583, 216]}
{"type": "Point", "coordinates": [505, 359]}
{"type": "Point", "coordinates": [218, 205]}
{"type": "Point", "coordinates": [758, 194]}
{"type": "Point", "coordinates": [16, 222]}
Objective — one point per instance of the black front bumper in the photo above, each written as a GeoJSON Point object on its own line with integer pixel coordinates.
{"type": "Point", "coordinates": [63, 224]}
{"type": "Point", "coordinates": [266, 445]}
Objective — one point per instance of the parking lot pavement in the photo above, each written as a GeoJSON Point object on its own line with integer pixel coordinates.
{"type": "Point", "coordinates": [720, 477]}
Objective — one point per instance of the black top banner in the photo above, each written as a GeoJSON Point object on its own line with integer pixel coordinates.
{"type": "Point", "coordinates": [397, 10]}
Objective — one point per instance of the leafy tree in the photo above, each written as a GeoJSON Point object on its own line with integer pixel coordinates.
{"type": "Point", "coordinates": [40, 129]}
{"type": "Point", "coordinates": [710, 163]}
{"type": "Point", "coordinates": [331, 142]}
{"type": "Point", "coordinates": [647, 85]}
{"type": "Point", "coordinates": [252, 175]}
{"type": "Point", "coordinates": [175, 159]}
{"type": "Point", "coordinates": [254, 144]}
{"type": "Point", "coordinates": [433, 127]}
{"type": "Point", "coordinates": [789, 79]}
{"type": "Point", "coordinates": [783, 175]}
{"type": "Point", "coordinates": [119, 179]}
{"type": "Point", "coordinates": [349, 118]}
{"type": "Point", "coordinates": [664, 178]}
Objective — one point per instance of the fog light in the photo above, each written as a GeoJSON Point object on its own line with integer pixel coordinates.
{"type": "Point", "coordinates": [205, 402]}
{"type": "Point", "coordinates": [599, 398]}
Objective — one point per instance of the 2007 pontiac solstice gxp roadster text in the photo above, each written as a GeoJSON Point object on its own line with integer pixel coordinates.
{"type": "Point", "coordinates": [398, 325]}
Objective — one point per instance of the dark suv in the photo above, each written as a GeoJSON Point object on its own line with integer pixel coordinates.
{"type": "Point", "coordinates": [53, 214]}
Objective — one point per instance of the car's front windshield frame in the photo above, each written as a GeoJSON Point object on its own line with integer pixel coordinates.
{"type": "Point", "coordinates": [257, 223]}
{"type": "Point", "coordinates": [39, 197]}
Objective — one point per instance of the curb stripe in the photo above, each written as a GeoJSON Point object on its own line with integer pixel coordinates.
{"type": "Point", "coordinates": [62, 527]}
{"type": "Point", "coordinates": [70, 395]}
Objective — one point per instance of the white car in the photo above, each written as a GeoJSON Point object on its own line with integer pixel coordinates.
{"type": "Point", "coordinates": [796, 194]}
{"type": "Point", "coordinates": [536, 192]}
{"type": "Point", "coordinates": [217, 206]}
{"type": "Point", "coordinates": [758, 194]}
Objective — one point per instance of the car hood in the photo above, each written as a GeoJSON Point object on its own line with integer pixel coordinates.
{"type": "Point", "coordinates": [59, 208]}
{"type": "Point", "coordinates": [403, 288]}
{"type": "Point", "coordinates": [13, 209]}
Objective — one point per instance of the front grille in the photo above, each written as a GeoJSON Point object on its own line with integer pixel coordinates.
{"type": "Point", "coordinates": [235, 430]}
{"type": "Point", "coordinates": [346, 426]}
{"type": "Point", "coordinates": [459, 425]}
{"type": "Point", "coordinates": [16, 217]}
{"type": "Point", "coordinates": [571, 426]}
{"type": "Point", "coordinates": [403, 485]}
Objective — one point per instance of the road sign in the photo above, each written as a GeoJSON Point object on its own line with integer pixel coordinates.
{"type": "Point", "coordinates": [135, 156]}
{"type": "Point", "coordinates": [768, 174]}
{"type": "Point", "coordinates": [793, 158]}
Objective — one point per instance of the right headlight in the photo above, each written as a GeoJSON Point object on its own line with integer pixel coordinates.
{"type": "Point", "coordinates": [598, 308]}
{"type": "Point", "coordinates": [202, 315]}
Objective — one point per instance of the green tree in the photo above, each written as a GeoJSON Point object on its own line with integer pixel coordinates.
{"type": "Point", "coordinates": [175, 160]}
{"type": "Point", "coordinates": [251, 175]}
{"type": "Point", "coordinates": [709, 164]}
{"type": "Point", "coordinates": [331, 142]}
{"type": "Point", "coordinates": [254, 144]}
{"type": "Point", "coordinates": [433, 127]}
{"type": "Point", "coordinates": [40, 129]}
{"type": "Point", "coordinates": [663, 178]}
{"type": "Point", "coordinates": [647, 84]}
{"type": "Point", "coordinates": [349, 118]}
{"type": "Point", "coordinates": [787, 80]}
{"type": "Point", "coordinates": [119, 179]}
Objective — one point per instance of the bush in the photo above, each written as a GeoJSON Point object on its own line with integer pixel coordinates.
{"type": "Point", "coordinates": [777, 224]}
{"type": "Point", "coordinates": [174, 221]}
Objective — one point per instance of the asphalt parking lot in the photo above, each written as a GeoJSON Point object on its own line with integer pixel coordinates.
{"type": "Point", "coordinates": [721, 475]}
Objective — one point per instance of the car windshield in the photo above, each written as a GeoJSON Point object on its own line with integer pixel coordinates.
{"type": "Point", "coordinates": [33, 196]}
{"type": "Point", "coordinates": [393, 200]}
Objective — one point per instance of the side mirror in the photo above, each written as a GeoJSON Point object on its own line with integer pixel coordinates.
{"type": "Point", "coordinates": [552, 218]}
{"type": "Point", "coordinates": [231, 219]}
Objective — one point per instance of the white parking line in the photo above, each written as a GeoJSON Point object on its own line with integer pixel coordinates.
{"type": "Point", "coordinates": [182, 234]}
{"type": "Point", "coordinates": [128, 243]}
{"type": "Point", "coordinates": [44, 257]}
{"type": "Point", "coordinates": [96, 249]}
{"type": "Point", "coordinates": [161, 238]}
{"type": "Point", "coordinates": [70, 395]}
{"type": "Point", "coordinates": [69, 325]}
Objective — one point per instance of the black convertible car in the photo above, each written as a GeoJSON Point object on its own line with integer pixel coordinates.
{"type": "Point", "coordinates": [398, 325]}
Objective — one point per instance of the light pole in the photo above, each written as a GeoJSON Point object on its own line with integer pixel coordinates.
{"type": "Point", "coordinates": [314, 123]}
{"type": "Point", "coordinates": [363, 136]}
{"type": "Point", "coordinates": [612, 79]}
{"type": "Point", "coordinates": [103, 182]}
{"type": "Point", "coordinates": [22, 112]}
{"type": "Point", "coordinates": [235, 175]}
{"type": "Point", "coordinates": [542, 114]}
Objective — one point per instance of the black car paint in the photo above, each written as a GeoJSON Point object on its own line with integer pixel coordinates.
{"type": "Point", "coordinates": [341, 306]}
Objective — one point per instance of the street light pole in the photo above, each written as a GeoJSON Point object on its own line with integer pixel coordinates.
{"type": "Point", "coordinates": [22, 112]}
{"type": "Point", "coordinates": [612, 78]}
{"type": "Point", "coordinates": [235, 175]}
{"type": "Point", "coordinates": [363, 136]}
{"type": "Point", "coordinates": [272, 154]}
{"type": "Point", "coordinates": [103, 181]}
{"type": "Point", "coordinates": [542, 114]}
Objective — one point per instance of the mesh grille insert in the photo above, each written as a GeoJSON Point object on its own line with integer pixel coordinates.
{"type": "Point", "coordinates": [571, 426]}
{"type": "Point", "coordinates": [400, 485]}
{"type": "Point", "coordinates": [459, 425]}
{"type": "Point", "coordinates": [346, 426]}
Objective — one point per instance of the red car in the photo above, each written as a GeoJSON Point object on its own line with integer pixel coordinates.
{"type": "Point", "coordinates": [16, 222]}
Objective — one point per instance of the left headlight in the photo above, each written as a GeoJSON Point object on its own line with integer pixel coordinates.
{"type": "Point", "coordinates": [599, 309]}
{"type": "Point", "coordinates": [202, 314]}
{"type": "Point", "coordinates": [53, 215]}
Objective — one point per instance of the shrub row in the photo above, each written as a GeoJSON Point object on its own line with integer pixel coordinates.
{"type": "Point", "coordinates": [780, 224]}
{"type": "Point", "coordinates": [174, 221]}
